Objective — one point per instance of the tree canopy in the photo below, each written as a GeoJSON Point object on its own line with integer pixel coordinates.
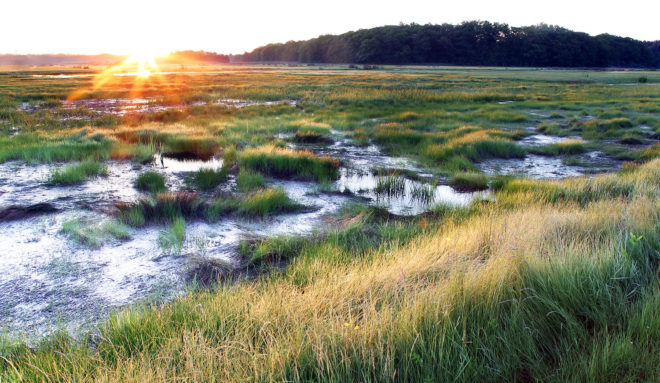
{"type": "Point", "coordinates": [468, 43]}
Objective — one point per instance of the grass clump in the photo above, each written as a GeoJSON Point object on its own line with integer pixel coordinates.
{"type": "Point", "coordinates": [248, 180]}
{"type": "Point", "coordinates": [260, 203]}
{"type": "Point", "coordinates": [568, 147]}
{"type": "Point", "coordinates": [289, 163]}
{"type": "Point", "coordinates": [475, 145]}
{"type": "Point", "coordinates": [161, 208]}
{"type": "Point", "coordinates": [391, 185]}
{"type": "Point", "coordinates": [151, 181]}
{"type": "Point", "coordinates": [631, 139]}
{"type": "Point", "coordinates": [206, 179]}
{"type": "Point", "coordinates": [469, 181]}
{"type": "Point", "coordinates": [171, 240]}
{"type": "Point", "coordinates": [311, 137]}
{"type": "Point", "coordinates": [77, 173]}
{"type": "Point", "coordinates": [139, 153]}
{"type": "Point", "coordinates": [424, 193]}
{"type": "Point", "coordinates": [90, 234]}
{"type": "Point", "coordinates": [267, 202]}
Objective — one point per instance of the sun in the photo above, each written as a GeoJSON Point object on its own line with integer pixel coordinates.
{"type": "Point", "coordinates": [140, 67]}
{"type": "Point", "coordinates": [145, 64]}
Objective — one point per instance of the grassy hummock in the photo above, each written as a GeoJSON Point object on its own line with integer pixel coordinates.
{"type": "Point", "coordinates": [248, 180]}
{"type": "Point", "coordinates": [469, 181]}
{"type": "Point", "coordinates": [206, 179]}
{"type": "Point", "coordinates": [289, 163]}
{"type": "Point", "coordinates": [93, 235]}
{"type": "Point", "coordinates": [151, 181]}
{"type": "Point", "coordinates": [77, 173]}
{"type": "Point", "coordinates": [260, 203]}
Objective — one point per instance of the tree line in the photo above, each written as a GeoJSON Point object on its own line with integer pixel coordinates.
{"type": "Point", "coordinates": [469, 43]}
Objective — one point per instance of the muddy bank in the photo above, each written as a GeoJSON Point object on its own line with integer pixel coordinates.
{"type": "Point", "coordinates": [14, 213]}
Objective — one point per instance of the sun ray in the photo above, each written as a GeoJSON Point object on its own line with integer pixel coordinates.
{"type": "Point", "coordinates": [141, 66]}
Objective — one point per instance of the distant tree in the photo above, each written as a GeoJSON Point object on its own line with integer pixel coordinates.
{"type": "Point", "coordinates": [468, 43]}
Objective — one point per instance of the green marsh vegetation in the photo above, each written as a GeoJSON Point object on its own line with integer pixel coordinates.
{"type": "Point", "coordinates": [93, 235]}
{"type": "Point", "coordinates": [206, 179]}
{"type": "Point", "coordinates": [393, 298]}
{"type": "Point", "coordinates": [77, 173]}
{"type": "Point", "coordinates": [469, 181]}
{"type": "Point", "coordinates": [248, 180]}
{"type": "Point", "coordinates": [288, 163]}
{"type": "Point", "coordinates": [552, 281]}
{"type": "Point", "coordinates": [151, 181]}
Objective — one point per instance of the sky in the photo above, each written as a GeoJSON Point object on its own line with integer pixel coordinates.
{"type": "Point", "coordinates": [159, 27]}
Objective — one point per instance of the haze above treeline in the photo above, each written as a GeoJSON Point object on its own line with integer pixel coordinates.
{"type": "Point", "coordinates": [476, 43]}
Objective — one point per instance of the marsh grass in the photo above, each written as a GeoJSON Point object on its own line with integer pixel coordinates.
{"type": "Point", "coordinates": [151, 181]}
{"type": "Point", "coordinates": [161, 208]}
{"type": "Point", "coordinates": [469, 181]}
{"type": "Point", "coordinates": [568, 147]}
{"type": "Point", "coordinates": [554, 281]}
{"type": "Point", "coordinates": [171, 240]}
{"type": "Point", "coordinates": [93, 235]}
{"type": "Point", "coordinates": [77, 173]}
{"type": "Point", "coordinates": [288, 163]}
{"type": "Point", "coordinates": [248, 180]}
{"type": "Point", "coordinates": [454, 302]}
{"type": "Point", "coordinates": [267, 202]}
{"type": "Point", "coordinates": [391, 185]}
{"type": "Point", "coordinates": [423, 192]}
{"type": "Point", "coordinates": [206, 179]}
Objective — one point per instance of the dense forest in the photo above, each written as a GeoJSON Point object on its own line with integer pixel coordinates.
{"type": "Point", "coordinates": [195, 57]}
{"type": "Point", "coordinates": [469, 43]}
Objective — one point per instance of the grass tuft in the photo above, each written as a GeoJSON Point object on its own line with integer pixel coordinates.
{"type": "Point", "coordinates": [206, 179]}
{"type": "Point", "coordinates": [469, 181]}
{"type": "Point", "coordinates": [284, 162]}
{"type": "Point", "coordinates": [151, 181]}
{"type": "Point", "coordinates": [77, 173]}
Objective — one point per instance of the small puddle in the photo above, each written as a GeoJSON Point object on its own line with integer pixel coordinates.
{"type": "Point", "coordinates": [543, 167]}
{"type": "Point", "coordinates": [544, 139]}
{"type": "Point", "coordinates": [404, 202]}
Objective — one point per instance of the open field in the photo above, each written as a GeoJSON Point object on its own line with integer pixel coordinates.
{"type": "Point", "coordinates": [239, 223]}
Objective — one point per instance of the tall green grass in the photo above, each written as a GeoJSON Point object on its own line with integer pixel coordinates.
{"type": "Point", "coordinates": [206, 179]}
{"type": "Point", "coordinates": [93, 235]}
{"type": "Point", "coordinates": [468, 181]}
{"type": "Point", "coordinates": [283, 162]}
{"type": "Point", "coordinates": [248, 180]}
{"type": "Point", "coordinates": [151, 181]}
{"type": "Point", "coordinates": [77, 173]}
